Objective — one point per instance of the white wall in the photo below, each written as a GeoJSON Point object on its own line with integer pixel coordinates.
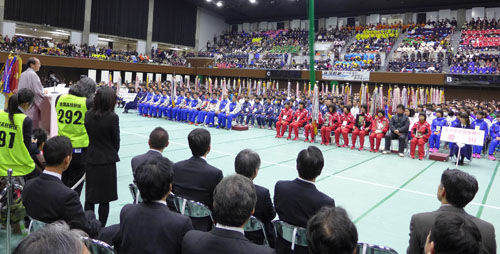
{"type": "Point", "coordinates": [246, 27]}
{"type": "Point", "coordinates": [432, 16]}
{"type": "Point", "coordinates": [9, 29]}
{"type": "Point", "coordinates": [331, 22]}
{"type": "Point", "coordinates": [304, 24]}
{"type": "Point", "coordinates": [240, 28]}
{"type": "Point", "coordinates": [94, 40]}
{"type": "Point", "coordinates": [478, 12]}
{"type": "Point", "coordinates": [141, 47]}
{"type": "Point", "coordinates": [373, 19]}
{"type": "Point", "coordinates": [493, 13]}
{"type": "Point", "coordinates": [263, 26]}
{"type": "Point", "coordinates": [468, 14]}
{"type": "Point", "coordinates": [342, 22]}
{"type": "Point", "coordinates": [75, 38]}
{"type": "Point", "coordinates": [445, 14]}
{"type": "Point", "coordinates": [294, 24]}
{"type": "Point", "coordinates": [210, 24]}
{"type": "Point", "coordinates": [272, 25]}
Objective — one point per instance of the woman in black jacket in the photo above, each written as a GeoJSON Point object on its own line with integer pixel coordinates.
{"type": "Point", "coordinates": [103, 129]}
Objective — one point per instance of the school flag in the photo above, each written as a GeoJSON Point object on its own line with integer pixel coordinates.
{"type": "Point", "coordinates": [173, 91]}
{"type": "Point", "coordinates": [297, 92]}
{"type": "Point", "coordinates": [315, 109]}
{"type": "Point", "coordinates": [288, 90]}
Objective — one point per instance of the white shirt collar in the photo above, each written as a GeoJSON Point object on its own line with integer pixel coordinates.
{"type": "Point", "coordinates": [161, 202]}
{"type": "Point", "coordinates": [304, 180]}
{"type": "Point", "coordinates": [52, 174]}
{"type": "Point", "coordinates": [203, 157]}
{"type": "Point", "coordinates": [236, 229]}
{"type": "Point", "coordinates": [155, 151]}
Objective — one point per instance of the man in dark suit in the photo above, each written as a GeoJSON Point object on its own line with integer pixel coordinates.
{"type": "Point", "coordinates": [234, 203]}
{"type": "Point", "coordinates": [298, 200]}
{"type": "Point", "coordinates": [247, 163]}
{"type": "Point", "coordinates": [158, 141]}
{"type": "Point", "coordinates": [47, 199]}
{"type": "Point", "coordinates": [150, 227]}
{"type": "Point", "coordinates": [398, 126]}
{"type": "Point", "coordinates": [195, 179]}
{"type": "Point", "coordinates": [456, 190]}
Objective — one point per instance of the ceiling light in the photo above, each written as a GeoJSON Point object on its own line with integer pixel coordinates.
{"type": "Point", "coordinates": [253, 1]}
{"type": "Point", "coordinates": [219, 4]}
{"type": "Point", "coordinates": [209, 1]}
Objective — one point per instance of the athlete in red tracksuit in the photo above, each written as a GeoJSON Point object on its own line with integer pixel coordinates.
{"type": "Point", "coordinates": [420, 133]}
{"type": "Point", "coordinates": [361, 127]}
{"type": "Point", "coordinates": [284, 119]}
{"type": "Point", "coordinates": [330, 122]}
{"type": "Point", "coordinates": [309, 128]}
{"type": "Point", "coordinates": [380, 126]}
{"type": "Point", "coordinates": [345, 126]}
{"type": "Point", "coordinates": [299, 120]}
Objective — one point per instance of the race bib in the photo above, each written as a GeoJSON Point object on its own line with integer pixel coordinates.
{"type": "Point", "coordinates": [380, 126]}
{"type": "Point", "coordinates": [284, 117]}
{"type": "Point", "coordinates": [344, 123]}
{"type": "Point", "coordinates": [438, 128]}
{"type": "Point", "coordinates": [246, 110]}
{"type": "Point", "coordinates": [477, 128]}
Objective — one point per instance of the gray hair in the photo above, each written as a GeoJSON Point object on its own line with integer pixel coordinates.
{"type": "Point", "coordinates": [234, 200]}
{"type": "Point", "coordinates": [85, 87]}
{"type": "Point", "coordinates": [55, 238]}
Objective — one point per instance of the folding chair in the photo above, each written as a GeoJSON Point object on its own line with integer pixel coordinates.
{"type": "Point", "coordinates": [191, 208]}
{"type": "Point", "coordinates": [136, 195]}
{"type": "Point", "coordinates": [35, 225]}
{"type": "Point", "coordinates": [255, 224]}
{"type": "Point", "coordinates": [97, 247]}
{"type": "Point", "coordinates": [365, 248]}
{"type": "Point", "coordinates": [290, 233]}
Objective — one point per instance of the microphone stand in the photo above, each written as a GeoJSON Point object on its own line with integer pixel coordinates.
{"type": "Point", "coordinates": [55, 84]}
{"type": "Point", "coordinates": [9, 203]}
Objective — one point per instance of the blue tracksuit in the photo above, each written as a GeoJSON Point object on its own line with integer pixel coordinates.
{"type": "Point", "coordinates": [437, 125]}
{"type": "Point", "coordinates": [134, 104]}
{"type": "Point", "coordinates": [273, 114]}
{"type": "Point", "coordinates": [323, 109]}
{"type": "Point", "coordinates": [211, 114]}
{"type": "Point", "coordinates": [259, 114]}
{"type": "Point", "coordinates": [193, 112]}
{"type": "Point", "coordinates": [174, 112]}
{"type": "Point", "coordinates": [246, 110]}
{"type": "Point", "coordinates": [164, 109]}
{"type": "Point", "coordinates": [479, 125]}
{"type": "Point", "coordinates": [182, 116]}
{"type": "Point", "coordinates": [494, 132]}
{"type": "Point", "coordinates": [144, 102]}
{"type": "Point", "coordinates": [203, 113]}
{"type": "Point", "coordinates": [226, 119]}
{"type": "Point", "coordinates": [155, 109]}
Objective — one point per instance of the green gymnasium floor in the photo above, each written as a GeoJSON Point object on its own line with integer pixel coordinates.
{"type": "Point", "coordinates": [380, 192]}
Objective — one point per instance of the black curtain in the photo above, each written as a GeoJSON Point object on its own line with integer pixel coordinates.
{"type": "Point", "coordinates": [174, 22]}
{"type": "Point", "coordinates": [127, 18]}
{"type": "Point", "coordinates": [58, 13]}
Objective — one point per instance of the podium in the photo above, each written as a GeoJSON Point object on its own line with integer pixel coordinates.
{"type": "Point", "coordinates": [48, 114]}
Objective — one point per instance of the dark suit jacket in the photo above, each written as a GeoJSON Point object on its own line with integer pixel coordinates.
{"type": "Point", "coordinates": [401, 123]}
{"type": "Point", "coordinates": [220, 241]}
{"type": "Point", "coordinates": [195, 179]}
{"type": "Point", "coordinates": [421, 224]}
{"type": "Point", "coordinates": [47, 199]}
{"type": "Point", "coordinates": [264, 211]}
{"type": "Point", "coordinates": [104, 138]}
{"type": "Point", "coordinates": [296, 201]}
{"type": "Point", "coordinates": [140, 159]}
{"type": "Point", "coordinates": [152, 228]}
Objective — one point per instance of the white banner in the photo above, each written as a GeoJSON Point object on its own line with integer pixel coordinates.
{"type": "Point", "coordinates": [346, 75]}
{"type": "Point", "coordinates": [128, 97]}
{"type": "Point", "coordinates": [128, 77]}
{"type": "Point", "coordinates": [464, 136]}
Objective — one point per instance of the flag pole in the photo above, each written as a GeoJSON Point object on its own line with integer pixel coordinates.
{"type": "Point", "coordinates": [312, 73]}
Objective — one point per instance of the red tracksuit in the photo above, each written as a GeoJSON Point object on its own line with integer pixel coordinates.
{"type": "Point", "coordinates": [420, 133]}
{"type": "Point", "coordinates": [330, 122]}
{"type": "Point", "coordinates": [345, 126]}
{"type": "Point", "coordinates": [379, 127]}
{"type": "Point", "coordinates": [283, 121]}
{"type": "Point", "coordinates": [363, 122]}
{"type": "Point", "coordinates": [299, 120]}
{"type": "Point", "coordinates": [309, 128]}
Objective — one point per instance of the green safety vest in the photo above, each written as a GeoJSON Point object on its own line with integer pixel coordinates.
{"type": "Point", "coordinates": [13, 153]}
{"type": "Point", "coordinates": [71, 119]}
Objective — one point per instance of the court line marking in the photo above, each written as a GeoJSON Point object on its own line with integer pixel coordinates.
{"type": "Point", "coordinates": [379, 203]}
{"type": "Point", "coordinates": [338, 176]}
{"type": "Point", "coordinates": [485, 197]}
{"type": "Point", "coordinates": [345, 169]}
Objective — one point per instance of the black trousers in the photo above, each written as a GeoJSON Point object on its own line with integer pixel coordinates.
{"type": "Point", "coordinates": [75, 171]}
{"type": "Point", "coordinates": [391, 136]}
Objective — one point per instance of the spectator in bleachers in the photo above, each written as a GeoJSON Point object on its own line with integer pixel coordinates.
{"type": "Point", "coordinates": [456, 190]}
{"type": "Point", "coordinates": [234, 202]}
{"type": "Point", "coordinates": [247, 163]}
{"type": "Point", "coordinates": [330, 231]}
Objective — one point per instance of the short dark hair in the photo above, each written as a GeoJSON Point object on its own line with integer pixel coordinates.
{"type": "Point", "coordinates": [40, 135]}
{"type": "Point", "coordinates": [460, 187]}
{"type": "Point", "coordinates": [199, 142]}
{"type": "Point", "coordinates": [153, 178]}
{"type": "Point", "coordinates": [234, 200]}
{"type": "Point", "coordinates": [401, 106]}
{"type": "Point", "coordinates": [365, 107]}
{"type": "Point", "coordinates": [56, 149]}
{"type": "Point", "coordinates": [422, 114]}
{"type": "Point", "coordinates": [453, 233]}
{"type": "Point", "coordinates": [158, 138]}
{"type": "Point", "coordinates": [331, 231]}
{"type": "Point", "coordinates": [439, 111]}
{"type": "Point", "coordinates": [31, 61]}
{"type": "Point", "coordinates": [24, 95]}
{"type": "Point", "coordinates": [54, 238]}
{"type": "Point", "coordinates": [310, 162]}
{"type": "Point", "coordinates": [381, 111]}
{"type": "Point", "coordinates": [104, 101]}
{"type": "Point", "coordinates": [247, 162]}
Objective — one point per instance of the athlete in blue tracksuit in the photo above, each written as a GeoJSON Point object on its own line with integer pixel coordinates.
{"type": "Point", "coordinates": [184, 108]}
{"type": "Point", "coordinates": [155, 108]}
{"type": "Point", "coordinates": [495, 137]}
{"type": "Point", "coordinates": [213, 107]}
{"type": "Point", "coordinates": [273, 115]}
{"type": "Point", "coordinates": [174, 111]}
{"type": "Point", "coordinates": [148, 108]}
{"type": "Point", "coordinates": [246, 111]}
{"type": "Point", "coordinates": [134, 104]}
{"type": "Point", "coordinates": [193, 108]}
{"type": "Point", "coordinates": [231, 112]}
{"type": "Point", "coordinates": [146, 99]}
{"type": "Point", "coordinates": [258, 111]}
{"type": "Point", "coordinates": [202, 110]}
{"type": "Point", "coordinates": [163, 109]}
{"type": "Point", "coordinates": [479, 124]}
{"type": "Point", "coordinates": [219, 111]}
{"type": "Point", "coordinates": [436, 127]}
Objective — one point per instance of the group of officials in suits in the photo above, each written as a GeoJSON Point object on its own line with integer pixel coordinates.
{"type": "Point", "coordinates": [153, 227]}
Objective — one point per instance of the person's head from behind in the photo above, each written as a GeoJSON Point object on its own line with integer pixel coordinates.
{"type": "Point", "coordinates": [57, 153]}
{"type": "Point", "coordinates": [247, 163]}
{"type": "Point", "coordinates": [104, 100]}
{"type": "Point", "coordinates": [85, 87]}
{"type": "Point", "coordinates": [331, 231]}
{"type": "Point", "coordinates": [154, 179]}
{"type": "Point", "coordinates": [158, 139]}
{"type": "Point", "coordinates": [23, 100]}
{"type": "Point", "coordinates": [310, 163]}
{"type": "Point", "coordinates": [55, 238]}
{"type": "Point", "coordinates": [33, 63]}
{"type": "Point", "coordinates": [199, 142]}
{"type": "Point", "coordinates": [234, 200]}
{"type": "Point", "coordinates": [457, 188]}
{"type": "Point", "coordinates": [39, 135]}
{"type": "Point", "coordinates": [452, 233]}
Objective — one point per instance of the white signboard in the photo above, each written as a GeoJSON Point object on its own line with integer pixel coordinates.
{"type": "Point", "coordinates": [105, 76]}
{"type": "Point", "coordinates": [346, 75]}
{"type": "Point", "coordinates": [116, 76]}
{"type": "Point", "coordinates": [464, 136]}
{"type": "Point", "coordinates": [128, 97]}
{"type": "Point", "coordinates": [150, 77]}
{"type": "Point", "coordinates": [139, 74]}
{"type": "Point", "coordinates": [92, 74]}
{"type": "Point", "coordinates": [158, 77]}
{"type": "Point", "coordinates": [128, 76]}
